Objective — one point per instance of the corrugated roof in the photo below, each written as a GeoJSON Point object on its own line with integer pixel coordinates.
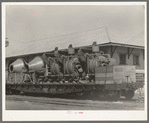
{"type": "Point", "coordinates": [62, 42]}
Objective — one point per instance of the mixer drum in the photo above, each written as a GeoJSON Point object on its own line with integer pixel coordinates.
{"type": "Point", "coordinates": [93, 63]}
{"type": "Point", "coordinates": [17, 66]}
{"type": "Point", "coordinates": [72, 65]}
{"type": "Point", "coordinates": [55, 69]}
{"type": "Point", "coordinates": [102, 59]}
{"type": "Point", "coordinates": [69, 67]}
{"type": "Point", "coordinates": [66, 67]}
{"type": "Point", "coordinates": [37, 64]}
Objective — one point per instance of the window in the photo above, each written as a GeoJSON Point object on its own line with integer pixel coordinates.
{"type": "Point", "coordinates": [122, 58]}
{"type": "Point", "coordinates": [135, 60]}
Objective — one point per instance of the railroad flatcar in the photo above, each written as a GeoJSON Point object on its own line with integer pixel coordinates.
{"type": "Point", "coordinates": [75, 72]}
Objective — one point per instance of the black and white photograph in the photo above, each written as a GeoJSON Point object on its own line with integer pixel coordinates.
{"type": "Point", "coordinates": [74, 61]}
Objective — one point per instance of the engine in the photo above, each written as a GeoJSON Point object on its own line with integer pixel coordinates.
{"type": "Point", "coordinates": [76, 66]}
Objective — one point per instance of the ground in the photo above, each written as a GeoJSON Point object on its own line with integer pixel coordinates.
{"type": "Point", "coordinates": [44, 103]}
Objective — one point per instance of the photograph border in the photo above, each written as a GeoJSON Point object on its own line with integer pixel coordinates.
{"type": "Point", "coordinates": [23, 115]}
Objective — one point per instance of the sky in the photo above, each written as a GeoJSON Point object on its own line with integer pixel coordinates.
{"type": "Point", "coordinates": [25, 23]}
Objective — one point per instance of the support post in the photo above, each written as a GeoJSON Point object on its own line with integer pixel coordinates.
{"type": "Point", "coordinates": [63, 67]}
{"type": "Point", "coordinates": [27, 58]}
{"type": "Point", "coordinates": [113, 50]}
{"type": "Point", "coordinates": [15, 78]}
{"type": "Point", "coordinates": [143, 54]}
{"type": "Point", "coordinates": [34, 77]}
{"type": "Point", "coordinates": [129, 53]}
{"type": "Point", "coordinates": [87, 62]}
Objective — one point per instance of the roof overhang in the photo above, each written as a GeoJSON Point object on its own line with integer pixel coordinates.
{"type": "Point", "coordinates": [89, 48]}
{"type": "Point", "coordinates": [121, 45]}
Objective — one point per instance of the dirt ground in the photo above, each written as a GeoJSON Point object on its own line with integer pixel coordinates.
{"type": "Point", "coordinates": [122, 104]}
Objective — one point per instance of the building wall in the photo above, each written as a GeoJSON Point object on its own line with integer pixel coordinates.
{"type": "Point", "coordinates": [124, 50]}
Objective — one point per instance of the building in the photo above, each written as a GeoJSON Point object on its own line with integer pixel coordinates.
{"type": "Point", "coordinates": [125, 54]}
{"type": "Point", "coordinates": [130, 53]}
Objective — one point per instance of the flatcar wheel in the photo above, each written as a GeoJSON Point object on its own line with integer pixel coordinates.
{"type": "Point", "coordinates": [8, 91]}
{"type": "Point", "coordinates": [79, 94]}
{"type": "Point", "coordinates": [11, 92]}
{"type": "Point", "coordinates": [99, 95]}
{"type": "Point", "coordinates": [129, 95]}
{"type": "Point", "coordinates": [117, 96]}
{"type": "Point", "coordinates": [72, 95]}
{"type": "Point", "coordinates": [86, 95]}
{"type": "Point", "coordinates": [112, 95]}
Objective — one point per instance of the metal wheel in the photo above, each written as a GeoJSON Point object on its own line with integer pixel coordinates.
{"type": "Point", "coordinates": [117, 96]}
{"type": "Point", "coordinates": [85, 95]}
{"type": "Point", "coordinates": [8, 91]}
{"type": "Point", "coordinates": [112, 95]}
{"type": "Point", "coordinates": [129, 94]}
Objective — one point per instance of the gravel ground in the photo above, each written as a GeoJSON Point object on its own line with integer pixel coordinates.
{"type": "Point", "coordinates": [45, 103]}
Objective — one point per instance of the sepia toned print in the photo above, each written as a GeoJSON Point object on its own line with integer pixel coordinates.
{"type": "Point", "coordinates": [75, 59]}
